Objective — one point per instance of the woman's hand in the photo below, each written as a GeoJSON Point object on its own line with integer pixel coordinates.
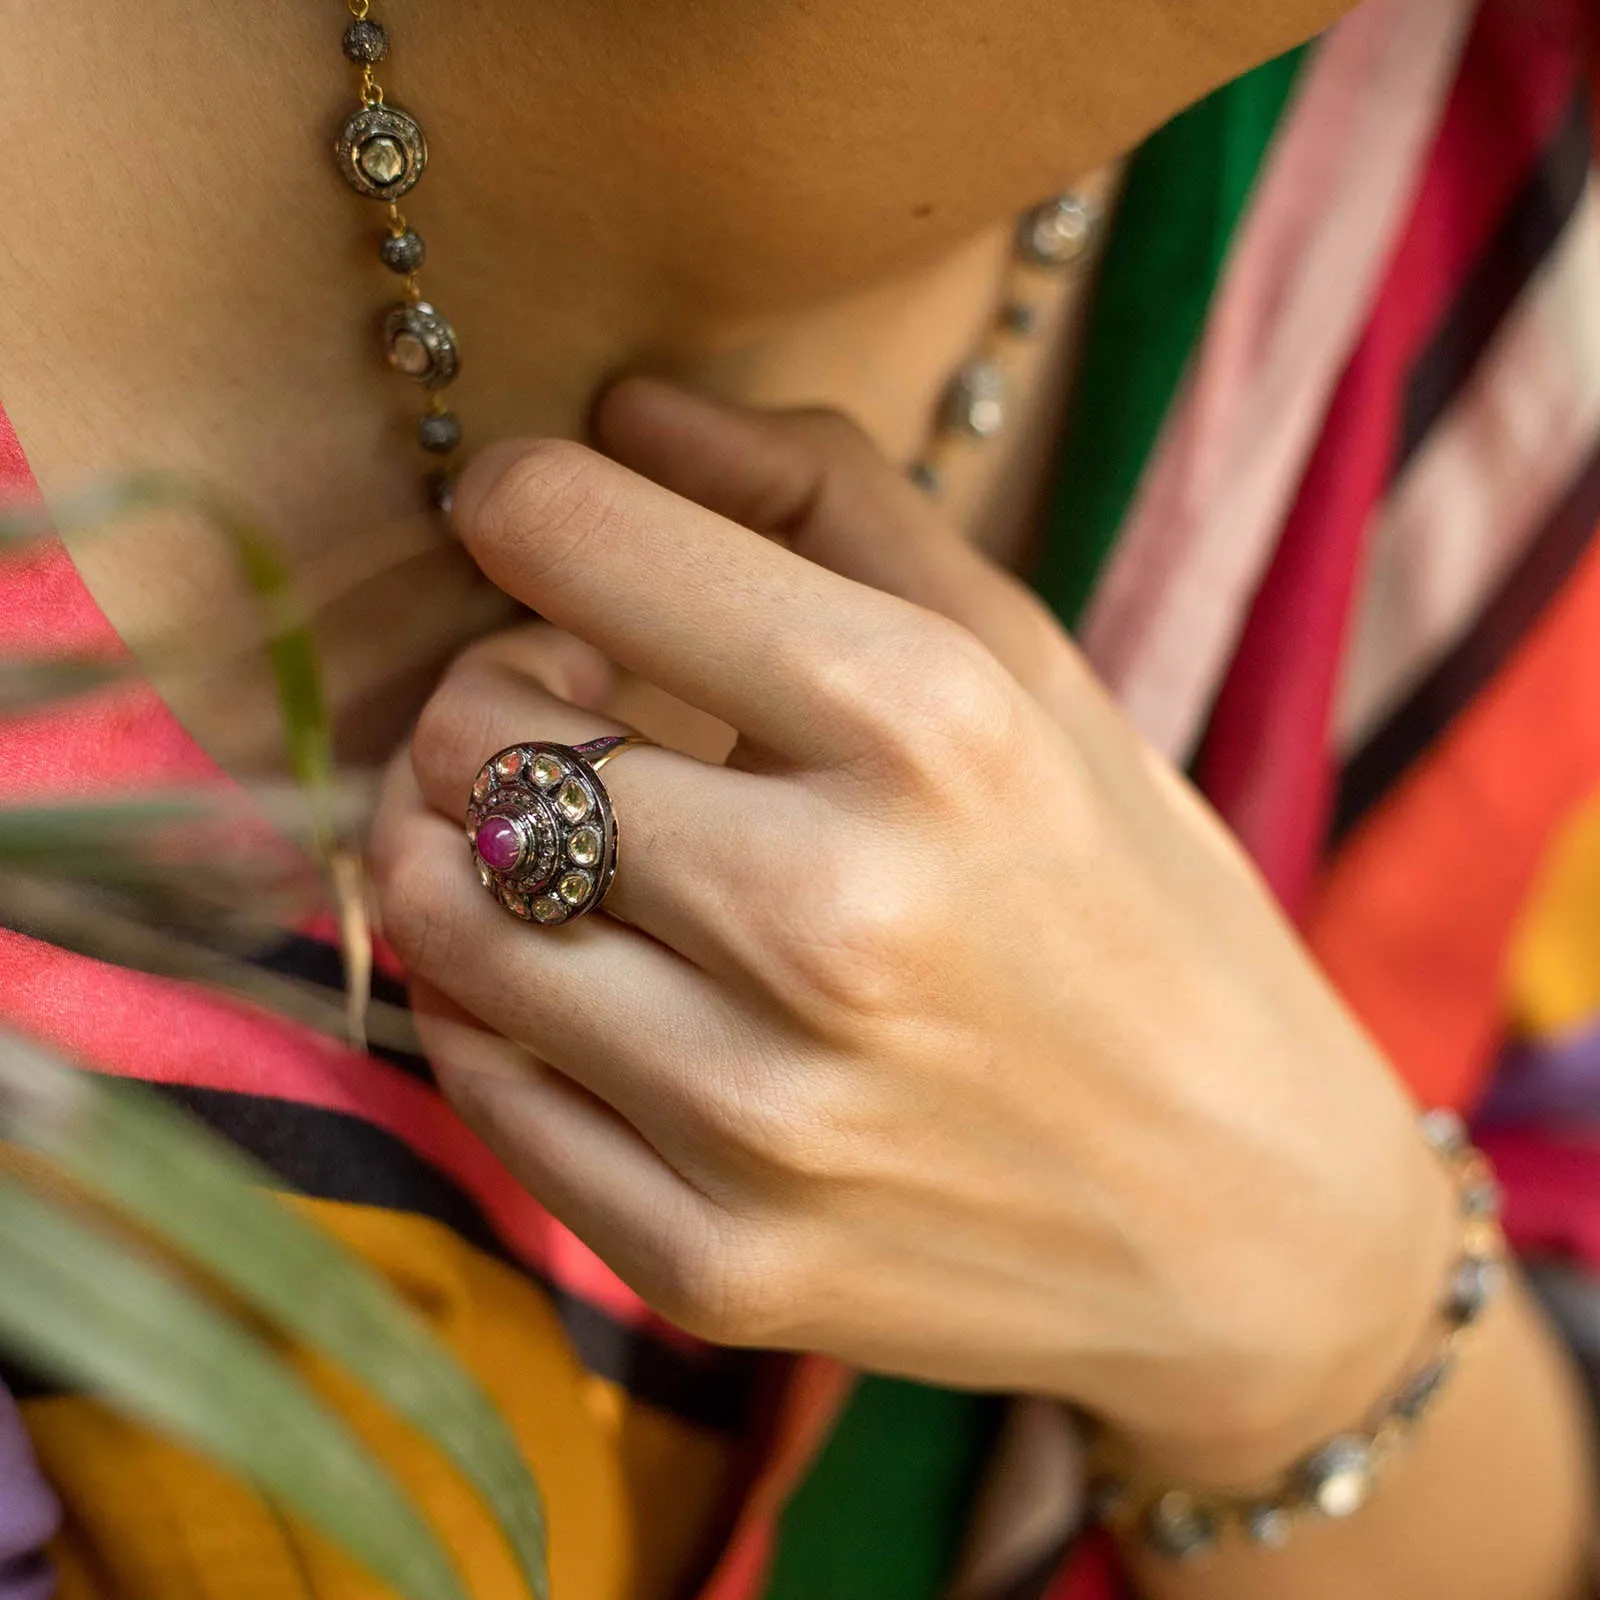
{"type": "Point", "coordinates": [943, 1029]}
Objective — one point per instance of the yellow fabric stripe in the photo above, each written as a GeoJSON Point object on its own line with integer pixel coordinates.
{"type": "Point", "coordinates": [1555, 955]}
{"type": "Point", "coordinates": [630, 1491]}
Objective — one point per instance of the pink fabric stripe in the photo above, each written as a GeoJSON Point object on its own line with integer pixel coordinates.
{"type": "Point", "coordinates": [1327, 210]}
{"type": "Point", "coordinates": [1267, 762]}
{"type": "Point", "coordinates": [1268, 765]}
{"type": "Point", "coordinates": [131, 1025]}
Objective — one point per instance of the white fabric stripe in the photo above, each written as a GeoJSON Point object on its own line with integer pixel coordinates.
{"type": "Point", "coordinates": [1299, 284]}
{"type": "Point", "coordinates": [1489, 474]}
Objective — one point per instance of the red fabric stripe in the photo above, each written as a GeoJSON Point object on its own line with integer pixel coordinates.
{"type": "Point", "coordinates": [815, 1395]}
{"type": "Point", "coordinates": [1094, 1573]}
{"type": "Point", "coordinates": [1268, 763]}
{"type": "Point", "coordinates": [136, 1026]}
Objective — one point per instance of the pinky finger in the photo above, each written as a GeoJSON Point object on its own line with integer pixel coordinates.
{"type": "Point", "coordinates": [592, 1170]}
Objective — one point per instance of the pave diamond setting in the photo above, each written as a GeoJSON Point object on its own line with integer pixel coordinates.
{"type": "Point", "coordinates": [542, 832]}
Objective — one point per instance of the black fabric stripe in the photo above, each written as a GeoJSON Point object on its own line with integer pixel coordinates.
{"type": "Point", "coordinates": [1534, 222]}
{"type": "Point", "coordinates": [314, 962]}
{"type": "Point", "coordinates": [1457, 678]}
{"type": "Point", "coordinates": [330, 1156]}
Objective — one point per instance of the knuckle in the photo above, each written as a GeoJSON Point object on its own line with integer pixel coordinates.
{"type": "Point", "coordinates": [833, 436]}
{"type": "Point", "coordinates": [455, 731]}
{"type": "Point", "coordinates": [780, 1124]}
{"type": "Point", "coordinates": [730, 1284]}
{"type": "Point", "coordinates": [854, 946]}
{"type": "Point", "coordinates": [534, 520]}
{"type": "Point", "coordinates": [414, 905]}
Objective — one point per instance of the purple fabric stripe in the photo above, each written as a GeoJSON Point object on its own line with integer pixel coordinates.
{"type": "Point", "coordinates": [29, 1514]}
{"type": "Point", "coordinates": [1558, 1081]}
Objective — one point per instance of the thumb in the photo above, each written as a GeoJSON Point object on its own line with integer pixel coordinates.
{"type": "Point", "coordinates": [814, 480]}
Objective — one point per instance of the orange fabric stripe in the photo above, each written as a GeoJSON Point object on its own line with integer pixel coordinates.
{"type": "Point", "coordinates": [1414, 917]}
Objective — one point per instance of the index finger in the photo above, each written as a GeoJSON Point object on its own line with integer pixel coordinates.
{"type": "Point", "coordinates": [722, 617]}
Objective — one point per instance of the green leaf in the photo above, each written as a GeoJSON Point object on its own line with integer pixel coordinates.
{"type": "Point", "coordinates": [31, 683]}
{"type": "Point", "coordinates": [162, 1168]}
{"type": "Point", "coordinates": [95, 1313]}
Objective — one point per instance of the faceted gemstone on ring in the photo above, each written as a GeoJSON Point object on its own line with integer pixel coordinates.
{"type": "Point", "coordinates": [574, 802]}
{"type": "Point", "coordinates": [485, 877]}
{"type": "Point", "coordinates": [515, 903]}
{"type": "Point", "coordinates": [547, 771]}
{"type": "Point", "coordinates": [574, 888]}
{"type": "Point", "coordinates": [482, 784]}
{"type": "Point", "coordinates": [547, 909]}
{"type": "Point", "coordinates": [584, 846]}
{"type": "Point", "coordinates": [499, 844]}
{"type": "Point", "coordinates": [509, 765]}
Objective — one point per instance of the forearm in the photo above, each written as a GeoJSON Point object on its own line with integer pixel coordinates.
{"type": "Point", "coordinates": [1490, 1500]}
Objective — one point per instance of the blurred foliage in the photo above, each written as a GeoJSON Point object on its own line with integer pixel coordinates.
{"type": "Point", "coordinates": [144, 1260]}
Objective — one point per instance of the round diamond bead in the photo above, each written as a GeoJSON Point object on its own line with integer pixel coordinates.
{"type": "Point", "coordinates": [499, 844]}
{"type": "Point", "coordinates": [584, 847]}
{"type": "Point", "coordinates": [439, 432]}
{"type": "Point", "coordinates": [975, 402]}
{"type": "Point", "coordinates": [1471, 1289]}
{"type": "Point", "coordinates": [403, 252]}
{"type": "Point", "coordinates": [1268, 1524]}
{"type": "Point", "coordinates": [1057, 233]}
{"type": "Point", "coordinates": [573, 801]}
{"type": "Point", "coordinates": [1445, 1132]}
{"type": "Point", "coordinates": [1177, 1527]}
{"type": "Point", "coordinates": [1338, 1478]}
{"type": "Point", "coordinates": [1418, 1391]}
{"type": "Point", "coordinates": [1019, 318]}
{"type": "Point", "coordinates": [547, 771]}
{"type": "Point", "coordinates": [574, 888]}
{"type": "Point", "coordinates": [546, 909]}
{"type": "Point", "coordinates": [509, 765]}
{"type": "Point", "coordinates": [366, 42]}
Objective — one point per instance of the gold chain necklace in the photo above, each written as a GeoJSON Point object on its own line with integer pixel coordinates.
{"type": "Point", "coordinates": [382, 154]}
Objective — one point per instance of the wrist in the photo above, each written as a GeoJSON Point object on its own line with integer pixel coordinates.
{"type": "Point", "coordinates": [1321, 1455]}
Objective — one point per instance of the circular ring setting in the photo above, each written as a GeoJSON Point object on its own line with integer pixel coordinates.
{"type": "Point", "coordinates": [542, 830]}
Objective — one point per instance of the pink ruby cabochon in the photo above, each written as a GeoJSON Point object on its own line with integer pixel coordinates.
{"type": "Point", "coordinates": [499, 844]}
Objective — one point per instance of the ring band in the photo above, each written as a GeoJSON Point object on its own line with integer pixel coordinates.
{"type": "Point", "coordinates": [542, 829]}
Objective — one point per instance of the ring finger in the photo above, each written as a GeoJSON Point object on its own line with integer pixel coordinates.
{"type": "Point", "coordinates": [685, 828]}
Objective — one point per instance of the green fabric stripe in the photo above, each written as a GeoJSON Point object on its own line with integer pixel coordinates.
{"type": "Point", "coordinates": [1182, 198]}
{"type": "Point", "coordinates": [882, 1512]}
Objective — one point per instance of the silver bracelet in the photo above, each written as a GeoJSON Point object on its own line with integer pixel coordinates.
{"type": "Point", "coordinates": [1180, 1522]}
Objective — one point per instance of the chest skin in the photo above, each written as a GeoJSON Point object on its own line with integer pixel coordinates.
{"type": "Point", "coordinates": [784, 203]}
